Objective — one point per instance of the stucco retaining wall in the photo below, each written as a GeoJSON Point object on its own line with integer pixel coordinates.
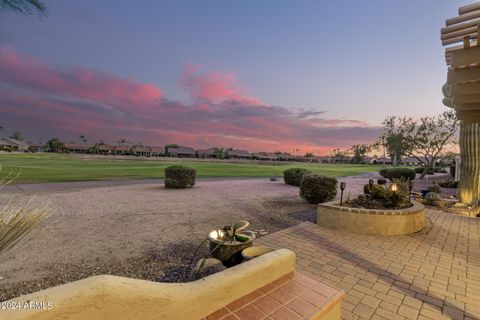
{"type": "Point", "coordinates": [370, 221]}
{"type": "Point", "coordinates": [111, 297]}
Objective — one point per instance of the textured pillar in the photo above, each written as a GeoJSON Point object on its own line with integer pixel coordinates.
{"type": "Point", "coordinates": [470, 162]}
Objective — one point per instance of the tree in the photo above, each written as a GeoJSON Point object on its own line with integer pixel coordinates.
{"type": "Point", "coordinates": [25, 7]}
{"type": "Point", "coordinates": [122, 141]}
{"type": "Point", "coordinates": [359, 152]}
{"type": "Point", "coordinates": [55, 145]}
{"type": "Point", "coordinates": [219, 152]}
{"type": "Point", "coordinates": [83, 138]}
{"type": "Point", "coordinates": [340, 155]}
{"type": "Point", "coordinates": [17, 135]}
{"type": "Point", "coordinates": [309, 155]}
{"type": "Point", "coordinates": [422, 139]}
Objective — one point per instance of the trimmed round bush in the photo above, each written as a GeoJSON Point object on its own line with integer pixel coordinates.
{"type": "Point", "coordinates": [293, 176]}
{"type": "Point", "coordinates": [383, 172]}
{"type": "Point", "coordinates": [316, 188]}
{"type": "Point", "coordinates": [401, 173]}
{"type": "Point", "coordinates": [179, 177]}
{"type": "Point", "coordinates": [375, 190]}
{"type": "Point", "coordinates": [419, 169]}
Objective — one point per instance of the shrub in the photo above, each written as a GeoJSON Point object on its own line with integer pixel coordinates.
{"type": "Point", "coordinates": [430, 171]}
{"type": "Point", "coordinates": [452, 171]}
{"type": "Point", "coordinates": [293, 176]}
{"type": "Point", "coordinates": [316, 188]}
{"type": "Point", "coordinates": [375, 190]}
{"type": "Point", "coordinates": [401, 173]}
{"type": "Point", "coordinates": [178, 176]}
{"type": "Point", "coordinates": [383, 172]}
{"type": "Point", "coordinates": [381, 181]}
{"type": "Point", "coordinates": [419, 169]}
{"type": "Point", "coordinates": [448, 184]}
{"type": "Point", "coordinates": [431, 197]}
{"type": "Point", "coordinates": [435, 188]}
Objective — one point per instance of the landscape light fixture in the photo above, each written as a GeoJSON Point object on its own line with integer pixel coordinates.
{"type": "Point", "coordinates": [216, 234]}
{"type": "Point", "coordinates": [394, 190]}
{"type": "Point", "coordinates": [342, 188]}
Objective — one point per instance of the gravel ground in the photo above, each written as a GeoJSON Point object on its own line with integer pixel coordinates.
{"type": "Point", "coordinates": [141, 231]}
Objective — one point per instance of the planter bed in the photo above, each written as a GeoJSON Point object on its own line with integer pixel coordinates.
{"type": "Point", "coordinates": [372, 221]}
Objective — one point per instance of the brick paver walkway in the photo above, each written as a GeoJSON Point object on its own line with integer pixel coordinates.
{"type": "Point", "coordinates": [434, 274]}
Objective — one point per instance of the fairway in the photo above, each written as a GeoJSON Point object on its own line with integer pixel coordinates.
{"type": "Point", "coordinates": [45, 167]}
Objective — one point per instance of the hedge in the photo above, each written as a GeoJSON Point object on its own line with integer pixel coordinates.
{"type": "Point", "coordinates": [178, 177]}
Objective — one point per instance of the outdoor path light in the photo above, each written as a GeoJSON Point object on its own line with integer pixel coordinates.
{"type": "Point", "coordinates": [394, 190]}
{"type": "Point", "coordinates": [410, 187]}
{"type": "Point", "coordinates": [342, 188]}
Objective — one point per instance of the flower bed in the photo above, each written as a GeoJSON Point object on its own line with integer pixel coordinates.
{"type": "Point", "coordinates": [372, 221]}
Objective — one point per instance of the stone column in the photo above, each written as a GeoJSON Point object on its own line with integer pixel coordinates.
{"type": "Point", "coordinates": [470, 161]}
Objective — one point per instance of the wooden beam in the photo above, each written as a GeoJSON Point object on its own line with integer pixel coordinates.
{"type": "Point", "coordinates": [463, 18]}
{"type": "Point", "coordinates": [469, 8]}
{"type": "Point", "coordinates": [460, 26]}
{"type": "Point", "coordinates": [462, 58]}
{"type": "Point", "coordinates": [467, 101]}
{"type": "Point", "coordinates": [466, 88]}
{"type": "Point", "coordinates": [472, 35]}
{"type": "Point", "coordinates": [460, 33]}
{"type": "Point", "coordinates": [463, 75]}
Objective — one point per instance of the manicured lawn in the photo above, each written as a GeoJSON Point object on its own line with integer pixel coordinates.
{"type": "Point", "coordinates": [56, 168]}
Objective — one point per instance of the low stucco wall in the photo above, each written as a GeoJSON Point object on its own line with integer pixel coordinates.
{"type": "Point", "coordinates": [111, 297]}
{"type": "Point", "coordinates": [370, 221]}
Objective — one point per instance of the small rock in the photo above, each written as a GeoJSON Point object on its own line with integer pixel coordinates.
{"type": "Point", "coordinates": [206, 267]}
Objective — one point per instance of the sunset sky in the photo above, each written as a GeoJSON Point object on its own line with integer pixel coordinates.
{"type": "Point", "coordinates": [259, 75]}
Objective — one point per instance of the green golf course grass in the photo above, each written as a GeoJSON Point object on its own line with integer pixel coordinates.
{"type": "Point", "coordinates": [45, 167]}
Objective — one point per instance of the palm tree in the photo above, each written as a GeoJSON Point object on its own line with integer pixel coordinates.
{"type": "Point", "coordinates": [25, 7]}
{"type": "Point", "coordinates": [83, 138]}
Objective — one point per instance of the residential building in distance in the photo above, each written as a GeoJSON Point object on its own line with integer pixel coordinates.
{"type": "Point", "coordinates": [181, 152]}
{"type": "Point", "coordinates": [239, 154]}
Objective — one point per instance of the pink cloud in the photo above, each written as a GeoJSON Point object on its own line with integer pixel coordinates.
{"type": "Point", "coordinates": [42, 100]}
{"type": "Point", "coordinates": [26, 72]}
{"type": "Point", "coordinates": [214, 86]}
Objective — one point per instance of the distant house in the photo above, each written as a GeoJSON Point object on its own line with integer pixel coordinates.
{"type": "Point", "coordinates": [410, 161]}
{"type": "Point", "coordinates": [239, 154]}
{"type": "Point", "coordinates": [141, 151]}
{"type": "Point", "coordinates": [36, 147]}
{"type": "Point", "coordinates": [285, 157]}
{"type": "Point", "coordinates": [157, 151]}
{"type": "Point", "coordinates": [122, 149]}
{"type": "Point", "coordinates": [78, 148]}
{"type": "Point", "coordinates": [322, 159]}
{"type": "Point", "coordinates": [207, 153]}
{"type": "Point", "coordinates": [106, 149]}
{"type": "Point", "coordinates": [265, 156]}
{"type": "Point", "coordinates": [181, 152]}
{"type": "Point", "coordinates": [342, 160]}
{"type": "Point", "coordinates": [381, 160]}
{"type": "Point", "coordinates": [10, 144]}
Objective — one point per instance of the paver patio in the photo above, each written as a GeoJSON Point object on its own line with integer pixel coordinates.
{"type": "Point", "coordinates": [434, 274]}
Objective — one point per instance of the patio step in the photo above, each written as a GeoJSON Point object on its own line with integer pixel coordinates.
{"type": "Point", "coordinates": [294, 296]}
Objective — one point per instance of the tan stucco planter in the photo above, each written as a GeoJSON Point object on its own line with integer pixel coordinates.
{"type": "Point", "coordinates": [370, 221]}
{"type": "Point", "coordinates": [110, 297]}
